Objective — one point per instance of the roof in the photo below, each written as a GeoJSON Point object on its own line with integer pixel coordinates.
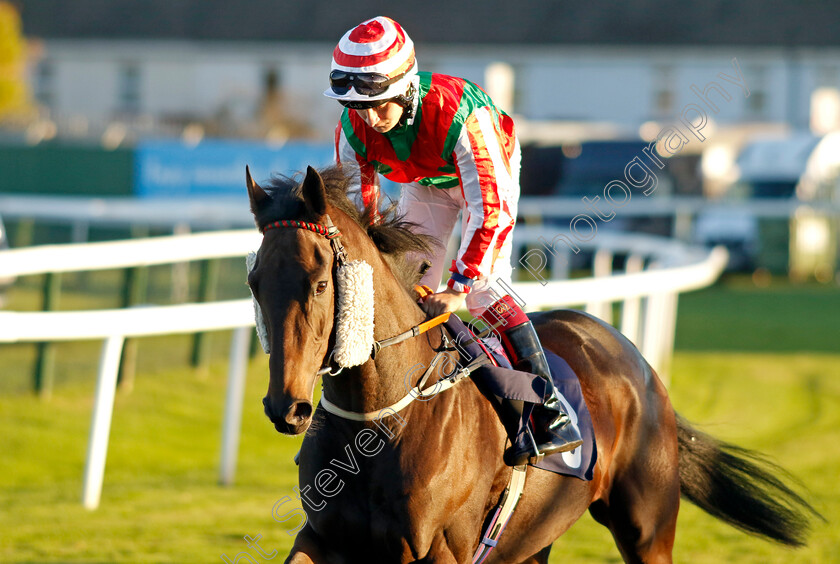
{"type": "Point", "coordinates": [527, 22]}
{"type": "Point", "coordinates": [776, 159]}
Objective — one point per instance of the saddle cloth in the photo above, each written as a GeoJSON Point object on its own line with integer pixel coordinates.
{"type": "Point", "coordinates": [502, 380]}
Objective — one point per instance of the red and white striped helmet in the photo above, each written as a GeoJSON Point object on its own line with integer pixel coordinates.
{"type": "Point", "coordinates": [373, 61]}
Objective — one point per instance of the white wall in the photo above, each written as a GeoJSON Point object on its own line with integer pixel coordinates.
{"type": "Point", "coordinates": [84, 86]}
{"type": "Point", "coordinates": [578, 83]}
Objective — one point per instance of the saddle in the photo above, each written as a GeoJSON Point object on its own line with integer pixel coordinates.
{"type": "Point", "coordinates": [497, 377]}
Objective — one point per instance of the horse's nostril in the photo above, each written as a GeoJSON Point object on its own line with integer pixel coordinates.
{"type": "Point", "coordinates": [298, 412]}
{"type": "Point", "coordinates": [292, 419]}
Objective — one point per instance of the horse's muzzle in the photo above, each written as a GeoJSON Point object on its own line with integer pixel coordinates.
{"type": "Point", "coordinates": [292, 418]}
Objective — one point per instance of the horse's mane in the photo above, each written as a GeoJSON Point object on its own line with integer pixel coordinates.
{"type": "Point", "coordinates": [391, 233]}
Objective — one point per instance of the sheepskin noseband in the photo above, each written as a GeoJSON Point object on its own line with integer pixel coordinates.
{"type": "Point", "coordinates": [354, 286]}
{"type": "Point", "coordinates": [354, 319]}
{"type": "Point", "coordinates": [262, 333]}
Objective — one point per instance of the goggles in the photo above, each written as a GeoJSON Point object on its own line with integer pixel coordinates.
{"type": "Point", "coordinates": [367, 83]}
{"type": "Point", "coordinates": [356, 105]}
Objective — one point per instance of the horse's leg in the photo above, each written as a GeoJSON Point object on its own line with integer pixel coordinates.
{"type": "Point", "coordinates": [539, 558]}
{"type": "Point", "coordinates": [644, 498]}
{"type": "Point", "coordinates": [306, 551]}
{"type": "Point", "coordinates": [299, 558]}
{"type": "Point", "coordinates": [643, 524]}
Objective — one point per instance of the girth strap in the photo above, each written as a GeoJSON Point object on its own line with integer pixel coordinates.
{"type": "Point", "coordinates": [504, 511]}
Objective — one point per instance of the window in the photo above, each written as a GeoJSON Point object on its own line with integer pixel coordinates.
{"type": "Point", "coordinates": [45, 83]}
{"type": "Point", "coordinates": [129, 89]}
{"type": "Point", "coordinates": [663, 90]}
{"type": "Point", "coordinates": [271, 82]}
{"type": "Point", "coordinates": [756, 78]}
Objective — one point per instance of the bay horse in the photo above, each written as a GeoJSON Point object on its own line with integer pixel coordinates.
{"type": "Point", "coordinates": [421, 490]}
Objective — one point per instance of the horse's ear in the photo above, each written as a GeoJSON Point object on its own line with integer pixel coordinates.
{"type": "Point", "coordinates": [314, 192]}
{"type": "Point", "coordinates": [256, 194]}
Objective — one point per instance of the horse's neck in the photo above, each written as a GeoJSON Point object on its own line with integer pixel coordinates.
{"type": "Point", "coordinates": [387, 379]}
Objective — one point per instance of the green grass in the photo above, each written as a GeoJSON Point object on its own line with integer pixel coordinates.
{"type": "Point", "coordinates": [735, 374]}
{"type": "Point", "coordinates": [735, 315]}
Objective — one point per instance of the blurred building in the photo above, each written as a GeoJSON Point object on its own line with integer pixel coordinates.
{"type": "Point", "coordinates": [746, 88]}
{"type": "Point", "coordinates": [257, 68]}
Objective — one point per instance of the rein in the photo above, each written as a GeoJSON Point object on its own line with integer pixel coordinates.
{"type": "Point", "coordinates": [414, 394]}
{"type": "Point", "coordinates": [411, 333]}
{"type": "Point", "coordinates": [331, 233]}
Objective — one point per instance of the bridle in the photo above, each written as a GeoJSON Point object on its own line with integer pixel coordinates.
{"type": "Point", "coordinates": [331, 233]}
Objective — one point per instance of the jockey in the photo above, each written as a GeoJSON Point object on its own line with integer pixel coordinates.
{"type": "Point", "coordinates": [452, 151]}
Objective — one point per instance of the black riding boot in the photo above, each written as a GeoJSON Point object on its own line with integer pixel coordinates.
{"type": "Point", "coordinates": [554, 430]}
{"type": "Point", "coordinates": [523, 445]}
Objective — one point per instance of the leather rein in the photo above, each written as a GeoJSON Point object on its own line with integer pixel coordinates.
{"type": "Point", "coordinates": [333, 235]}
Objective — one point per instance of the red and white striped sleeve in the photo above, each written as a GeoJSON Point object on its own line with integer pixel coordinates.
{"type": "Point", "coordinates": [486, 181]}
{"type": "Point", "coordinates": [366, 179]}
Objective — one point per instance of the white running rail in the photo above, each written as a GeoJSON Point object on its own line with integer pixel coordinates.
{"type": "Point", "coordinates": [648, 298]}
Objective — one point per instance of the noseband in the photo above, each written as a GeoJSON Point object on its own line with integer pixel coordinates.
{"type": "Point", "coordinates": [331, 232]}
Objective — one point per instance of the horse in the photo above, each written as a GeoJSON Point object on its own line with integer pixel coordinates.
{"type": "Point", "coordinates": [419, 488]}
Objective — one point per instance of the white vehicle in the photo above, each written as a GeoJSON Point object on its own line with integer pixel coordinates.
{"type": "Point", "coordinates": [814, 229]}
{"type": "Point", "coordinates": [767, 168]}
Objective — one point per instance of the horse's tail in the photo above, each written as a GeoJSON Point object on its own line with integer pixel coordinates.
{"type": "Point", "coordinates": [739, 487]}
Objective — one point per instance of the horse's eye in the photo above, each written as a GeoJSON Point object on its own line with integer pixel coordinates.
{"type": "Point", "coordinates": [321, 287]}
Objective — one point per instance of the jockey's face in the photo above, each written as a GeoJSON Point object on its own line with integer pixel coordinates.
{"type": "Point", "coordinates": [382, 118]}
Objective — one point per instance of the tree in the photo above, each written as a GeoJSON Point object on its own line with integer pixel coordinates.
{"type": "Point", "coordinates": [15, 101]}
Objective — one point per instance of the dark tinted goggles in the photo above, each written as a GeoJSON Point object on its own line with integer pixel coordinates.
{"type": "Point", "coordinates": [367, 83]}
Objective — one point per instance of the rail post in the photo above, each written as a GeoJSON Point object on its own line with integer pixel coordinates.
{"type": "Point", "coordinates": [631, 307]}
{"type": "Point", "coordinates": [44, 372]}
{"type": "Point", "coordinates": [237, 369]}
{"type": "Point", "coordinates": [100, 426]}
{"type": "Point", "coordinates": [207, 285]}
{"type": "Point", "coordinates": [180, 271]}
{"type": "Point", "coordinates": [134, 293]}
{"type": "Point", "coordinates": [601, 267]}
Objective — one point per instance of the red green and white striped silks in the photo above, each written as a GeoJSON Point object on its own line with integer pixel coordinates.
{"type": "Point", "coordinates": [379, 45]}
{"type": "Point", "coordinates": [457, 138]}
